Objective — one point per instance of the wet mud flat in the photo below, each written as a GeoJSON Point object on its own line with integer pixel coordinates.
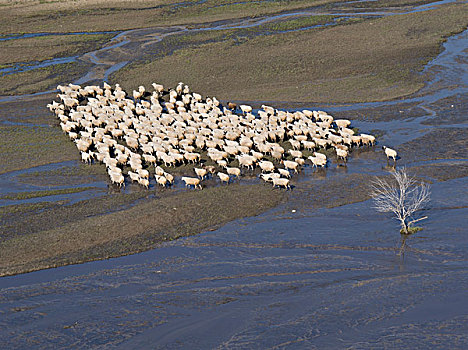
{"type": "Point", "coordinates": [315, 267]}
{"type": "Point", "coordinates": [332, 281]}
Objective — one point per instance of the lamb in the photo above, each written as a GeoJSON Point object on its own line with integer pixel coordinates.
{"type": "Point", "coordinates": [191, 181]}
{"type": "Point", "coordinates": [390, 153]}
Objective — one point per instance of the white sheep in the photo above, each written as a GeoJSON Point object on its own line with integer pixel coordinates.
{"type": "Point", "coordinates": [284, 172]}
{"type": "Point", "coordinates": [191, 181]}
{"type": "Point", "coordinates": [201, 173]}
{"type": "Point", "coordinates": [390, 153]}
{"type": "Point", "coordinates": [266, 166]}
{"type": "Point", "coordinates": [289, 164]}
{"type": "Point", "coordinates": [281, 182]}
{"type": "Point", "coordinates": [342, 154]}
{"type": "Point", "coordinates": [223, 177]}
{"type": "Point", "coordinates": [233, 171]}
{"type": "Point", "coordinates": [161, 180]}
{"type": "Point", "coordinates": [245, 109]}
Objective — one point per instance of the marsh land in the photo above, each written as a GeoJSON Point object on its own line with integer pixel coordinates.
{"type": "Point", "coordinates": [241, 259]}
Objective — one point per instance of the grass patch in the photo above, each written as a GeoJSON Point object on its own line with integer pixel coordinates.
{"type": "Point", "coordinates": [49, 47]}
{"type": "Point", "coordinates": [45, 193]}
{"type": "Point", "coordinates": [24, 147]}
{"type": "Point", "coordinates": [411, 230]}
{"type": "Point", "coordinates": [27, 208]}
{"type": "Point", "coordinates": [41, 79]}
{"type": "Point", "coordinates": [377, 59]}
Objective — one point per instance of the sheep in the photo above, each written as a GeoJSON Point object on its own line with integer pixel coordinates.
{"type": "Point", "coordinates": [149, 158]}
{"type": "Point", "coordinates": [342, 154]}
{"type": "Point", "coordinates": [117, 179]}
{"type": "Point", "coordinates": [169, 177]}
{"type": "Point", "coordinates": [284, 172]}
{"type": "Point", "coordinates": [172, 131]}
{"type": "Point", "coordinates": [246, 161]}
{"type": "Point", "coordinates": [390, 153]}
{"type": "Point", "coordinates": [233, 171]}
{"type": "Point", "coordinates": [210, 168]}
{"type": "Point", "coordinates": [85, 157]}
{"type": "Point", "coordinates": [268, 177]}
{"type": "Point", "coordinates": [201, 173]}
{"type": "Point", "coordinates": [159, 171]}
{"type": "Point", "coordinates": [342, 123]}
{"type": "Point", "coordinates": [143, 182]}
{"type": "Point", "coordinates": [295, 144]}
{"type": "Point", "coordinates": [288, 164]}
{"type": "Point", "coordinates": [299, 161]}
{"type": "Point", "coordinates": [245, 109]}
{"type": "Point", "coordinates": [133, 176]}
{"type": "Point", "coordinates": [191, 181]}
{"type": "Point", "coordinates": [143, 173]}
{"type": "Point", "coordinates": [192, 157]}
{"type": "Point", "coordinates": [295, 153]}
{"type": "Point", "coordinates": [320, 155]}
{"type": "Point", "coordinates": [223, 177]}
{"type": "Point", "coordinates": [281, 182]}
{"type": "Point", "coordinates": [368, 139]}
{"type": "Point", "coordinates": [318, 161]}
{"type": "Point", "coordinates": [266, 166]}
{"type": "Point", "coordinates": [161, 180]}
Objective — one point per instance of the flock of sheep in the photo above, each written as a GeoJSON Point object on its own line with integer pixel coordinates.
{"type": "Point", "coordinates": [138, 136]}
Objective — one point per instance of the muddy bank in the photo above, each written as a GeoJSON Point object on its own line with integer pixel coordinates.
{"type": "Point", "coordinates": [87, 231]}
{"type": "Point", "coordinates": [442, 172]}
{"type": "Point", "coordinates": [445, 143]}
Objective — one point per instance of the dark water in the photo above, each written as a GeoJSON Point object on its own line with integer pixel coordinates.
{"type": "Point", "coordinates": [312, 279]}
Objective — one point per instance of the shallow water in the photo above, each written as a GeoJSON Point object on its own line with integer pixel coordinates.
{"type": "Point", "coordinates": [312, 279]}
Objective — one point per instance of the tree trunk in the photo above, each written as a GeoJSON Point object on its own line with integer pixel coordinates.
{"type": "Point", "coordinates": [404, 227]}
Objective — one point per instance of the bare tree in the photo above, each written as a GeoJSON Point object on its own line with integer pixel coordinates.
{"type": "Point", "coordinates": [402, 196]}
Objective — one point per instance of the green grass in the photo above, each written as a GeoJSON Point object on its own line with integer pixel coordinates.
{"type": "Point", "coordinates": [45, 193]}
